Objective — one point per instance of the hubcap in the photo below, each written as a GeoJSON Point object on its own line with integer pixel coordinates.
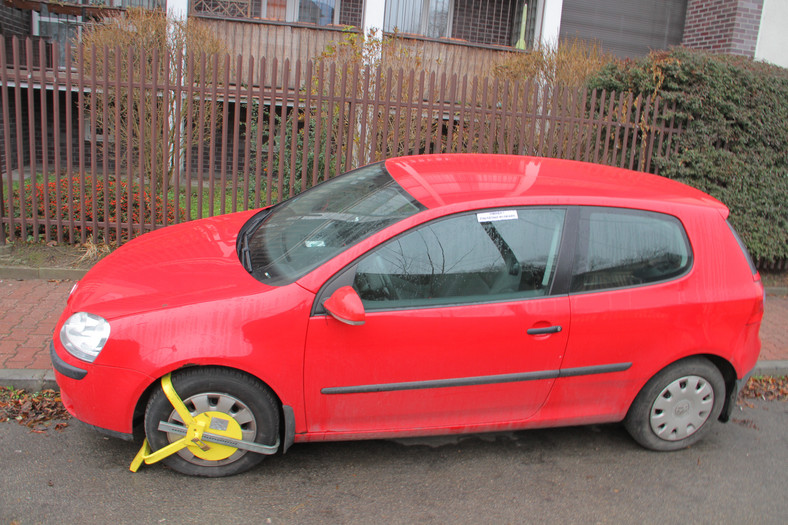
{"type": "Point", "coordinates": [211, 403]}
{"type": "Point", "coordinates": [682, 408]}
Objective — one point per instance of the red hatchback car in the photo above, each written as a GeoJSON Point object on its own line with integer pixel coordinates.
{"type": "Point", "coordinates": [422, 295]}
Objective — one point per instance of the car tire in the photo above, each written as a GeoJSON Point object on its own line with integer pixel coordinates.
{"type": "Point", "coordinates": [678, 406]}
{"type": "Point", "coordinates": [250, 403]}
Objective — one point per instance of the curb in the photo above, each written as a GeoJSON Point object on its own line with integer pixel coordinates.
{"type": "Point", "coordinates": [35, 380]}
{"type": "Point", "coordinates": [30, 380]}
{"type": "Point", "coordinates": [23, 273]}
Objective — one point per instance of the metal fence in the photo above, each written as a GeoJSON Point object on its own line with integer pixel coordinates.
{"type": "Point", "coordinates": [112, 143]}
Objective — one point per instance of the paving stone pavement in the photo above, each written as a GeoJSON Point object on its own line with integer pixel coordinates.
{"type": "Point", "coordinates": [29, 310]}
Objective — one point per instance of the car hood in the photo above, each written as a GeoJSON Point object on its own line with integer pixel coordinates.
{"type": "Point", "coordinates": [183, 264]}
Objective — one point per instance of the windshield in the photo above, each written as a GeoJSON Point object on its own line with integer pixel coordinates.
{"type": "Point", "coordinates": [302, 233]}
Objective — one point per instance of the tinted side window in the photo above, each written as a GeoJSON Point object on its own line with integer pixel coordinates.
{"type": "Point", "coordinates": [619, 248]}
{"type": "Point", "coordinates": [465, 258]}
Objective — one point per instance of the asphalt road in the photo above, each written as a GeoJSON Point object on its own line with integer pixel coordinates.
{"type": "Point", "coordinates": [595, 474]}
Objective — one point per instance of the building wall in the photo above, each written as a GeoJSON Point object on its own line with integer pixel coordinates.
{"type": "Point", "coordinates": [772, 37]}
{"type": "Point", "coordinates": [14, 22]}
{"type": "Point", "coordinates": [723, 26]}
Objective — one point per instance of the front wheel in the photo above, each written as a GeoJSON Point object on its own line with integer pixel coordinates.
{"type": "Point", "coordinates": [254, 416]}
{"type": "Point", "coordinates": [678, 406]}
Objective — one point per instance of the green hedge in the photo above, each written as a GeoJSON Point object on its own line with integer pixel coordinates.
{"type": "Point", "coordinates": [735, 144]}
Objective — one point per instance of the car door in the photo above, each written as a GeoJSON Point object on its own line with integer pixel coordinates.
{"type": "Point", "coordinates": [461, 328]}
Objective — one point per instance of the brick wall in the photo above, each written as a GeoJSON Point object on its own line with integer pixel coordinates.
{"type": "Point", "coordinates": [723, 26]}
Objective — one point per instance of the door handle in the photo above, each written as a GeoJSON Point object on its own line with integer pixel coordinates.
{"type": "Point", "coordinates": [546, 330]}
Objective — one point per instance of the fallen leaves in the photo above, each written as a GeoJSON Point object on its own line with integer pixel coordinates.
{"type": "Point", "coordinates": [34, 410]}
{"type": "Point", "coordinates": [767, 388]}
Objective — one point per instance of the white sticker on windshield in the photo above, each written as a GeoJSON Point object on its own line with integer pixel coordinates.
{"type": "Point", "coordinates": [315, 244]}
{"type": "Point", "coordinates": [492, 216]}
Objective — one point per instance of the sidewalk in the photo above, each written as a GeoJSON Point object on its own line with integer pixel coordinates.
{"type": "Point", "coordinates": [30, 308]}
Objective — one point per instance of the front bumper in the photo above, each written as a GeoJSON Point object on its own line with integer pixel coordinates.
{"type": "Point", "coordinates": [103, 397]}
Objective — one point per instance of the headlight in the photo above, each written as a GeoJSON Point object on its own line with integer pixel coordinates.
{"type": "Point", "coordinates": [84, 335]}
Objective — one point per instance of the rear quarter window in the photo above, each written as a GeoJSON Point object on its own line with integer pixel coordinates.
{"type": "Point", "coordinates": [618, 248]}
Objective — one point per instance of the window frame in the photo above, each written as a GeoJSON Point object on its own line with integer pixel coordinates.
{"type": "Point", "coordinates": [582, 242]}
{"type": "Point", "coordinates": [558, 285]}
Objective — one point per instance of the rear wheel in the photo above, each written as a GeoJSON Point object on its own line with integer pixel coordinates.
{"type": "Point", "coordinates": [251, 407]}
{"type": "Point", "coordinates": [678, 406]}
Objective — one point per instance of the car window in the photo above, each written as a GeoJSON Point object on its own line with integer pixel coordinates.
{"type": "Point", "coordinates": [619, 248]}
{"type": "Point", "coordinates": [302, 233]}
{"type": "Point", "coordinates": [476, 257]}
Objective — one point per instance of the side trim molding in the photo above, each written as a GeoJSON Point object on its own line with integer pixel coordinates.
{"type": "Point", "coordinates": [480, 380]}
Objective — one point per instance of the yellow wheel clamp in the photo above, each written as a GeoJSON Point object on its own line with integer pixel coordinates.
{"type": "Point", "coordinates": [212, 435]}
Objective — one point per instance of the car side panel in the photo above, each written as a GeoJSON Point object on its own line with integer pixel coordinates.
{"type": "Point", "coordinates": [261, 334]}
{"type": "Point", "coordinates": [710, 311]}
{"type": "Point", "coordinates": [411, 347]}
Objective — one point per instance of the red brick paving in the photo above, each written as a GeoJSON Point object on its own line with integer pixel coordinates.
{"type": "Point", "coordinates": [29, 310]}
{"type": "Point", "coordinates": [28, 313]}
{"type": "Point", "coordinates": [774, 328]}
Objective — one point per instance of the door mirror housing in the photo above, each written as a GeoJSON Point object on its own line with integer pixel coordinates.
{"type": "Point", "coordinates": [345, 306]}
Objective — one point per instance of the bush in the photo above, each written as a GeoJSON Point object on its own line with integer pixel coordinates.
{"type": "Point", "coordinates": [106, 208]}
{"type": "Point", "coordinates": [735, 140]}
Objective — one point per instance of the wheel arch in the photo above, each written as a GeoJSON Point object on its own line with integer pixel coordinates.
{"type": "Point", "coordinates": [286, 415]}
{"type": "Point", "coordinates": [728, 375]}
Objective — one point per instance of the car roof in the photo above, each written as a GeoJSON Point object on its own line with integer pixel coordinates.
{"type": "Point", "coordinates": [446, 179]}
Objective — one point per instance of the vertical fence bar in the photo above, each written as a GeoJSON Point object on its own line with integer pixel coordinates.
{"type": "Point", "coordinates": [258, 165]}
{"type": "Point", "coordinates": [294, 129]}
{"type": "Point", "coordinates": [69, 142]}
{"type": "Point", "coordinates": [225, 96]}
{"type": "Point", "coordinates": [282, 150]}
{"type": "Point", "coordinates": [152, 173]}
{"type": "Point", "coordinates": [6, 212]}
{"type": "Point", "coordinates": [589, 124]}
{"type": "Point", "coordinates": [81, 141]}
{"type": "Point", "coordinates": [271, 131]}
{"type": "Point", "coordinates": [377, 116]}
{"type": "Point", "coordinates": [429, 113]}
{"type": "Point", "coordinates": [212, 134]}
{"type": "Point", "coordinates": [451, 112]}
{"type": "Point", "coordinates": [105, 142]}
{"type": "Point", "coordinates": [169, 144]}
{"type": "Point", "coordinates": [188, 148]}
{"type": "Point", "coordinates": [201, 119]}
{"type": "Point", "coordinates": [362, 129]}
{"type": "Point", "coordinates": [347, 100]}
{"type": "Point", "coordinates": [33, 146]}
{"type": "Point", "coordinates": [655, 129]}
{"type": "Point", "coordinates": [117, 144]}
{"type": "Point", "coordinates": [236, 131]}
{"type": "Point", "coordinates": [129, 143]}
{"type": "Point", "coordinates": [182, 146]}
{"type": "Point", "coordinates": [42, 49]}
{"type": "Point", "coordinates": [20, 158]}
{"type": "Point", "coordinates": [307, 129]}
{"type": "Point", "coordinates": [248, 134]}
{"type": "Point", "coordinates": [93, 181]}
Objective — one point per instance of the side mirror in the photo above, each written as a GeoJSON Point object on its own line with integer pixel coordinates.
{"type": "Point", "coordinates": [345, 306]}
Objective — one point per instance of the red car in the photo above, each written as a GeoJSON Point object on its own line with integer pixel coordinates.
{"type": "Point", "coordinates": [422, 295]}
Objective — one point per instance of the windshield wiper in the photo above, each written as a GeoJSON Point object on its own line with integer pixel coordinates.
{"type": "Point", "coordinates": [245, 255]}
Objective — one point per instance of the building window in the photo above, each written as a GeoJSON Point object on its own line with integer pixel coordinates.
{"type": "Point", "coordinates": [489, 22]}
